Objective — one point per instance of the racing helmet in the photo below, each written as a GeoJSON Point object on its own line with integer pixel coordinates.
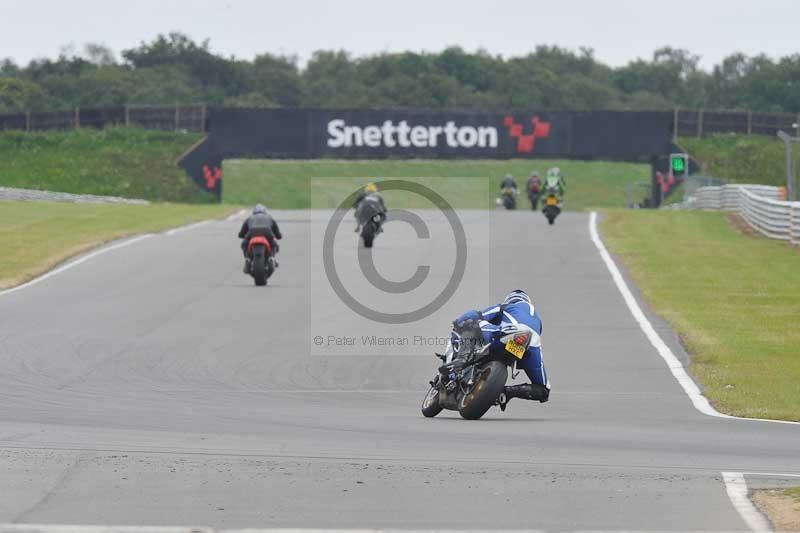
{"type": "Point", "coordinates": [516, 296]}
{"type": "Point", "coordinates": [259, 209]}
{"type": "Point", "coordinates": [370, 187]}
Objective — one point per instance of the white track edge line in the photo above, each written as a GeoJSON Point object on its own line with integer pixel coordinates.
{"type": "Point", "coordinates": [77, 261]}
{"type": "Point", "coordinates": [736, 487]}
{"type": "Point", "coordinates": [103, 249]}
{"type": "Point", "coordinates": [236, 215]}
{"type": "Point", "coordinates": [193, 225]}
{"type": "Point", "coordinates": [675, 366]}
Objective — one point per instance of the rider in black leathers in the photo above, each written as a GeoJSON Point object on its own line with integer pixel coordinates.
{"type": "Point", "coordinates": [508, 183]}
{"type": "Point", "coordinates": [369, 203]}
{"type": "Point", "coordinates": [259, 223]}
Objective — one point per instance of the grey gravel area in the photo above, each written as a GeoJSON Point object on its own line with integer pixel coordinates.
{"type": "Point", "coordinates": [31, 195]}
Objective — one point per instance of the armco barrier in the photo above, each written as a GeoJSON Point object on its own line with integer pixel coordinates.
{"type": "Point", "coordinates": [795, 223]}
{"type": "Point", "coordinates": [727, 197]}
{"type": "Point", "coordinates": [758, 205]}
{"type": "Point", "coordinates": [772, 218]}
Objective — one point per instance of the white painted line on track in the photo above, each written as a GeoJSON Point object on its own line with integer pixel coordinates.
{"type": "Point", "coordinates": [236, 215]}
{"type": "Point", "coordinates": [187, 227]}
{"type": "Point", "coordinates": [75, 262]}
{"type": "Point", "coordinates": [103, 249]}
{"type": "Point", "coordinates": [674, 364]}
{"type": "Point", "coordinates": [736, 487]}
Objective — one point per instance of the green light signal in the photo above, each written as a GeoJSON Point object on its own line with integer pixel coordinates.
{"type": "Point", "coordinates": [678, 165]}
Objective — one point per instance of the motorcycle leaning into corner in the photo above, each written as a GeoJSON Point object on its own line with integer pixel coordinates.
{"type": "Point", "coordinates": [473, 376]}
{"type": "Point", "coordinates": [370, 214]}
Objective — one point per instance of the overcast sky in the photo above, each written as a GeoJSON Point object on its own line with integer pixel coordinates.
{"type": "Point", "coordinates": [618, 30]}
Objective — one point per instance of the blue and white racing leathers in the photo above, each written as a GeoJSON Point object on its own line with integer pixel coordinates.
{"type": "Point", "coordinates": [492, 321]}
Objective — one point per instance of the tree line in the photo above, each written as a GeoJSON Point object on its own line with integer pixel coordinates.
{"type": "Point", "coordinates": [174, 69]}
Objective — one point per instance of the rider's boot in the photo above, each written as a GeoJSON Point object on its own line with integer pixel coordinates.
{"type": "Point", "coordinates": [528, 391]}
{"type": "Point", "coordinates": [246, 268]}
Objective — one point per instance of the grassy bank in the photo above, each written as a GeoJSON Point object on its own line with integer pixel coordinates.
{"type": "Point", "coordinates": [740, 158]}
{"type": "Point", "coordinates": [69, 229]}
{"type": "Point", "coordinates": [465, 183]}
{"type": "Point", "coordinates": [733, 298]}
{"type": "Point", "coordinates": [128, 162]}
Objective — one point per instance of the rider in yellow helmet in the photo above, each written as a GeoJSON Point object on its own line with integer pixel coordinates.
{"type": "Point", "coordinates": [374, 205]}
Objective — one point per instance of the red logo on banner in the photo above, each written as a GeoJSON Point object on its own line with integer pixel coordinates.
{"type": "Point", "coordinates": [212, 175]}
{"type": "Point", "coordinates": [527, 141]}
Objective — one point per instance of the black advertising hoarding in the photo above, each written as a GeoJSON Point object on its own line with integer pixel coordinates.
{"type": "Point", "coordinates": [377, 134]}
{"type": "Point", "coordinates": [366, 134]}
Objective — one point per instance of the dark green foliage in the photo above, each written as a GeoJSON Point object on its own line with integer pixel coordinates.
{"type": "Point", "coordinates": [740, 158]}
{"type": "Point", "coordinates": [174, 69]}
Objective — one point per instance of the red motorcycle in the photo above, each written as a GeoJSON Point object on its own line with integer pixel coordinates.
{"type": "Point", "coordinates": [262, 259]}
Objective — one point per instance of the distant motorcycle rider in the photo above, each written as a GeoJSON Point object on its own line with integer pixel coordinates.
{"type": "Point", "coordinates": [369, 203]}
{"type": "Point", "coordinates": [516, 308]}
{"type": "Point", "coordinates": [555, 180]}
{"type": "Point", "coordinates": [508, 182]}
{"type": "Point", "coordinates": [260, 223]}
{"type": "Point", "coordinates": [534, 186]}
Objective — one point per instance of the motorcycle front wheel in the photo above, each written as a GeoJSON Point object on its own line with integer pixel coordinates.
{"type": "Point", "coordinates": [489, 384]}
{"type": "Point", "coordinates": [431, 405]}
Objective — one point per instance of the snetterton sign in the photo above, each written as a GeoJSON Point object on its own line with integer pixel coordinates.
{"type": "Point", "coordinates": [404, 135]}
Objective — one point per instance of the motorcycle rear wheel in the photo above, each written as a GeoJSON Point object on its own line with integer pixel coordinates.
{"type": "Point", "coordinates": [484, 392]}
{"type": "Point", "coordinates": [368, 234]}
{"type": "Point", "coordinates": [258, 268]}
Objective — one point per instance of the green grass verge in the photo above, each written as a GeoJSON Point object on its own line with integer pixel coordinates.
{"type": "Point", "coordinates": [69, 229]}
{"type": "Point", "coordinates": [287, 183]}
{"type": "Point", "coordinates": [740, 158]}
{"type": "Point", "coordinates": [127, 162]}
{"type": "Point", "coordinates": [733, 298]}
{"type": "Point", "coordinates": [793, 493]}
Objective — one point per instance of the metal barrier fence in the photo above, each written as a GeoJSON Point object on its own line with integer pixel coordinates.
{"type": "Point", "coordinates": [772, 218]}
{"type": "Point", "coordinates": [701, 122]}
{"type": "Point", "coordinates": [169, 118]}
{"type": "Point", "coordinates": [760, 206]}
{"type": "Point", "coordinates": [686, 122]}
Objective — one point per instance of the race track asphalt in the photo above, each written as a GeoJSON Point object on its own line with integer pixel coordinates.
{"type": "Point", "coordinates": [154, 384]}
